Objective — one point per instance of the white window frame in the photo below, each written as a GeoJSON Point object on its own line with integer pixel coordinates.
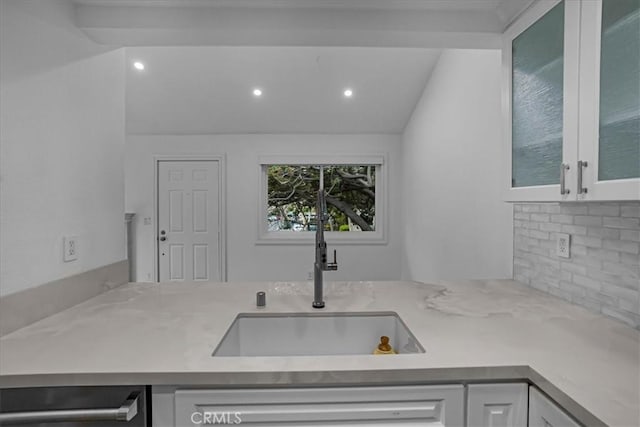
{"type": "Point", "coordinates": [377, 237]}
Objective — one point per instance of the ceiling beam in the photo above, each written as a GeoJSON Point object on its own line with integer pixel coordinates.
{"type": "Point", "coordinates": [509, 10]}
{"type": "Point", "coordinates": [243, 26]}
{"type": "Point", "coordinates": [312, 4]}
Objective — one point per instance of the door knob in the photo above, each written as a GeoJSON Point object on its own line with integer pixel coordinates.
{"type": "Point", "coordinates": [163, 238]}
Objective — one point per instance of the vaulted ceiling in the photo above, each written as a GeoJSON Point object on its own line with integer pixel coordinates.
{"type": "Point", "coordinates": [210, 89]}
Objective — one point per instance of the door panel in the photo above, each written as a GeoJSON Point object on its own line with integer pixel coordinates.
{"type": "Point", "coordinates": [200, 211]}
{"type": "Point", "coordinates": [176, 207]}
{"type": "Point", "coordinates": [200, 255]}
{"type": "Point", "coordinates": [188, 220]}
{"type": "Point", "coordinates": [435, 406]}
{"type": "Point", "coordinates": [497, 405]}
{"type": "Point", "coordinates": [544, 413]}
{"type": "Point", "coordinates": [176, 262]}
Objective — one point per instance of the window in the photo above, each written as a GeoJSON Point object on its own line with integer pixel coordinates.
{"type": "Point", "coordinates": [354, 203]}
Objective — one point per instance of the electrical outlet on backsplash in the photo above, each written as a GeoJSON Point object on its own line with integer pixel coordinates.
{"type": "Point", "coordinates": [603, 271]}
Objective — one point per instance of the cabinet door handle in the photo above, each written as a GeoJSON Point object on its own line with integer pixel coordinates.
{"type": "Point", "coordinates": [581, 165]}
{"type": "Point", "coordinates": [126, 412]}
{"type": "Point", "coordinates": [563, 173]}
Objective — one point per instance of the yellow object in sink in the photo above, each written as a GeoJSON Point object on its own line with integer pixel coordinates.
{"type": "Point", "coordinates": [384, 347]}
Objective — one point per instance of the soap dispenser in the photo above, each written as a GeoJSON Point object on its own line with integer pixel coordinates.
{"type": "Point", "coordinates": [384, 347]}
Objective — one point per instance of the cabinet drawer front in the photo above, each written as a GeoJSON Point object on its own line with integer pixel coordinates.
{"type": "Point", "coordinates": [430, 405]}
{"type": "Point", "coordinates": [427, 410]}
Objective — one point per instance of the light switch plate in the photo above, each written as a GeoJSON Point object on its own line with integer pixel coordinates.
{"type": "Point", "coordinates": [70, 248]}
{"type": "Point", "coordinates": [563, 245]}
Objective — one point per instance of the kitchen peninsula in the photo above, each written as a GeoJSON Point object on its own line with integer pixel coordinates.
{"type": "Point", "coordinates": [472, 331]}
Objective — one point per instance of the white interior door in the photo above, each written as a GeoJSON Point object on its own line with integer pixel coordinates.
{"type": "Point", "coordinates": [189, 220]}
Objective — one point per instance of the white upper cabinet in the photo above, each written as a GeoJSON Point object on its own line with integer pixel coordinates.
{"type": "Point", "coordinates": [540, 75]}
{"type": "Point", "coordinates": [609, 132]}
{"type": "Point", "coordinates": [571, 98]}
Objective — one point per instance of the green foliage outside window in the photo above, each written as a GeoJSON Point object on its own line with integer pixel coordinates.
{"type": "Point", "coordinates": [292, 192]}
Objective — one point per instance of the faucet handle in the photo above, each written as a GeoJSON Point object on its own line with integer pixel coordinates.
{"type": "Point", "coordinates": [333, 265]}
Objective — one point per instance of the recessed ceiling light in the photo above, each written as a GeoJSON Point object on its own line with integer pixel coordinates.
{"type": "Point", "coordinates": [348, 93]}
{"type": "Point", "coordinates": [138, 65]}
{"type": "Point", "coordinates": [257, 93]}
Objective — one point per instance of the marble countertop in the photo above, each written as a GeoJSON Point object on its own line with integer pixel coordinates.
{"type": "Point", "coordinates": [148, 333]}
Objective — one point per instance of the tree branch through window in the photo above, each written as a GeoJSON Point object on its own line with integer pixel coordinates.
{"type": "Point", "coordinates": [292, 192]}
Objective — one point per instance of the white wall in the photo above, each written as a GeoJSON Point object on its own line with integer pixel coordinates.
{"type": "Point", "coordinates": [245, 259]}
{"type": "Point", "coordinates": [61, 145]}
{"type": "Point", "coordinates": [455, 224]}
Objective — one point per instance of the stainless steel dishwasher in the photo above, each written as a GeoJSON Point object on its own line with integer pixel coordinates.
{"type": "Point", "coordinates": [99, 406]}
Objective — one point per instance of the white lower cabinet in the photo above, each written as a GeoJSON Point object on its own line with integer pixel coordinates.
{"type": "Point", "coordinates": [339, 406]}
{"type": "Point", "coordinates": [497, 405]}
{"type": "Point", "coordinates": [544, 413]}
{"type": "Point", "coordinates": [488, 405]}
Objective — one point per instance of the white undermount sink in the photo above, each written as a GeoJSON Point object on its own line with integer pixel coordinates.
{"type": "Point", "coordinates": [310, 334]}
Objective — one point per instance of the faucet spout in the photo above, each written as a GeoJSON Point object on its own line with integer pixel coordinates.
{"type": "Point", "coordinates": [321, 264]}
{"type": "Point", "coordinates": [318, 287]}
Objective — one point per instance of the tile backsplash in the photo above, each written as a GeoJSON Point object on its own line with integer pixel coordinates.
{"type": "Point", "coordinates": [603, 271]}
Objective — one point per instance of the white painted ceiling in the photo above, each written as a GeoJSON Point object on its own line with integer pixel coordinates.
{"type": "Point", "coordinates": [208, 90]}
{"type": "Point", "coordinates": [204, 57]}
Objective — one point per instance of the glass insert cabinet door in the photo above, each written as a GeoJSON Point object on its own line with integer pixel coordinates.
{"type": "Point", "coordinates": [537, 101]}
{"type": "Point", "coordinates": [610, 99]}
{"type": "Point", "coordinates": [619, 127]}
{"type": "Point", "coordinates": [571, 97]}
{"type": "Point", "coordinates": [540, 84]}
